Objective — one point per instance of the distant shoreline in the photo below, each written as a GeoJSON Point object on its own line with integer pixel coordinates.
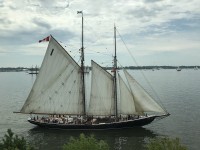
{"type": "Point", "coordinates": [20, 69]}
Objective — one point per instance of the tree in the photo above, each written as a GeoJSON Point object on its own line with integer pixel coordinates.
{"type": "Point", "coordinates": [85, 143]}
{"type": "Point", "coordinates": [165, 144]}
{"type": "Point", "coordinates": [13, 142]}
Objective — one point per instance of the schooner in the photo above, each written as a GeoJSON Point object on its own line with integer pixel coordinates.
{"type": "Point", "coordinates": [58, 94]}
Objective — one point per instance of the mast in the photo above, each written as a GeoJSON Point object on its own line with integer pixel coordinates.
{"type": "Point", "coordinates": [114, 77]}
{"type": "Point", "coordinates": [82, 67]}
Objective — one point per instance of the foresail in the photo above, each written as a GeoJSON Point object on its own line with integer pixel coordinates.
{"type": "Point", "coordinates": [57, 89]}
{"type": "Point", "coordinates": [101, 98]}
{"type": "Point", "coordinates": [126, 102]}
{"type": "Point", "coordinates": [143, 101]}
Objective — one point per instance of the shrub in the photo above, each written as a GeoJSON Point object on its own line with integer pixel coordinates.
{"type": "Point", "coordinates": [13, 142]}
{"type": "Point", "coordinates": [85, 143]}
{"type": "Point", "coordinates": [165, 144]}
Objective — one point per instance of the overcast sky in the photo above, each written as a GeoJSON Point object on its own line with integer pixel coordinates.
{"type": "Point", "coordinates": [156, 32]}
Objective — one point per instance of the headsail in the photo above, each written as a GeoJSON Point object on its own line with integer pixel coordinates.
{"type": "Point", "coordinates": [127, 104]}
{"type": "Point", "coordinates": [101, 98]}
{"type": "Point", "coordinates": [57, 89]}
{"type": "Point", "coordinates": [143, 101]}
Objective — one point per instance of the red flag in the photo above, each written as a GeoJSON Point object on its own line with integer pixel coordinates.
{"type": "Point", "coordinates": [45, 39]}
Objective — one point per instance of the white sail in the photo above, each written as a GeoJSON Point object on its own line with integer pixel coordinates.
{"type": "Point", "coordinates": [143, 101]}
{"type": "Point", "coordinates": [101, 98]}
{"type": "Point", "coordinates": [126, 102]}
{"type": "Point", "coordinates": [57, 89]}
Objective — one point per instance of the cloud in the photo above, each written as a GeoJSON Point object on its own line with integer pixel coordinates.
{"type": "Point", "coordinates": [148, 27]}
{"type": "Point", "coordinates": [152, 1]}
{"type": "Point", "coordinates": [42, 24]}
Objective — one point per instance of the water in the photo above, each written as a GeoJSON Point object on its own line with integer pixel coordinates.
{"type": "Point", "coordinates": [179, 92]}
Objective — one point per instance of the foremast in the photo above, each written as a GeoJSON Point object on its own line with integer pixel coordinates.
{"type": "Point", "coordinates": [114, 76]}
{"type": "Point", "coordinates": [82, 67]}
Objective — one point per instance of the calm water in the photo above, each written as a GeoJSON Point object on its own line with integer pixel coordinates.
{"type": "Point", "coordinates": [179, 92]}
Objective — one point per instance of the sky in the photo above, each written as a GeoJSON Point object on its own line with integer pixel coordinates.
{"type": "Point", "coordinates": [149, 32]}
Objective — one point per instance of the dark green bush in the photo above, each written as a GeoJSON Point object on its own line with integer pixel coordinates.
{"type": "Point", "coordinates": [165, 144]}
{"type": "Point", "coordinates": [85, 143]}
{"type": "Point", "coordinates": [13, 142]}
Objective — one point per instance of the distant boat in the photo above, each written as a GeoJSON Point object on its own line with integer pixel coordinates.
{"type": "Point", "coordinates": [196, 68]}
{"type": "Point", "coordinates": [178, 69]}
{"type": "Point", "coordinates": [33, 70]}
{"type": "Point", "coordinates": [59, 93]}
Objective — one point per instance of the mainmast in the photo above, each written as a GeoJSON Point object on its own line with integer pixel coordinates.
{"type": "Point", "coordinates": [82, 67]}
{"type": "Point", "coordinates": [114, 77]}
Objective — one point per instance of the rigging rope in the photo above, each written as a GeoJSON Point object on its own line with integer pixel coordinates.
{"type": "Point", "coordinates": [155, 93]}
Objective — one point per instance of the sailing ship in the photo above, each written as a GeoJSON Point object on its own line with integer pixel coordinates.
{"type": "Point", "coordinates": [178, 69]}
{"type": "Point", "coordinates": [59, 94]}
{"type": "Point", "coordinates": [33, 70]}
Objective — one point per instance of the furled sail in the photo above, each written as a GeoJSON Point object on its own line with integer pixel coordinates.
{"type": "Point", "coordinates": [143, 101]}
{"type": "Point", "coordinates": [57, 89]}
{"type": "Point", "coordinates": [126, 102]}
{"type": "Point", "coordinates": [101, 98]}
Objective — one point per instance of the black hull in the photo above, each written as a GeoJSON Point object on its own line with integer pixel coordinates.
{"type": "Point", "coordinates": [113, 125]}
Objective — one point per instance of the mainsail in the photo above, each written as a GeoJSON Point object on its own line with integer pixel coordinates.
{"type": "Point", "coordinates": [143, 101]}
{"type": "Point", "coordinates": [57, 89]}
{"type": "Point", "coordinates": [102, 98]}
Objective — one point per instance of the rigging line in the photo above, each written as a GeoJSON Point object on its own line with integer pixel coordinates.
{"type": "Point", "coordinates": [68, 45]}
{"type": "Point", "coordinates": [97, 35]}
{"type": "Point", "coordinates": [70, 51]}
{"type": "Point", "coordinates": [105, 52]}
{"type": "Point", "coordinates": [158, 98]}
{"type": "Point", "coordinates": [93, 32]}
{"type": "Point", "coordinates": [98, 53]}
{"type": "Point", "coordinates": [75, 53]}
{"type": "Point", "coordinates": [106, 62]}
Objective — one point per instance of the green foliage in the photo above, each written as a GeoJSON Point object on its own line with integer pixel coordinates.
{"type": "Point", "coordinates": [13, 142]}
{"type": "Point", "coordinates": [165, 144]}
{"type": "Point", "coordinates": [85, 143]}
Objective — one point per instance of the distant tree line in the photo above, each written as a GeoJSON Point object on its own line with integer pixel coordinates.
{"type": "Point", "coordinates": [18, 69]}
{"type": "Point", "coordinates": [159, 67]}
